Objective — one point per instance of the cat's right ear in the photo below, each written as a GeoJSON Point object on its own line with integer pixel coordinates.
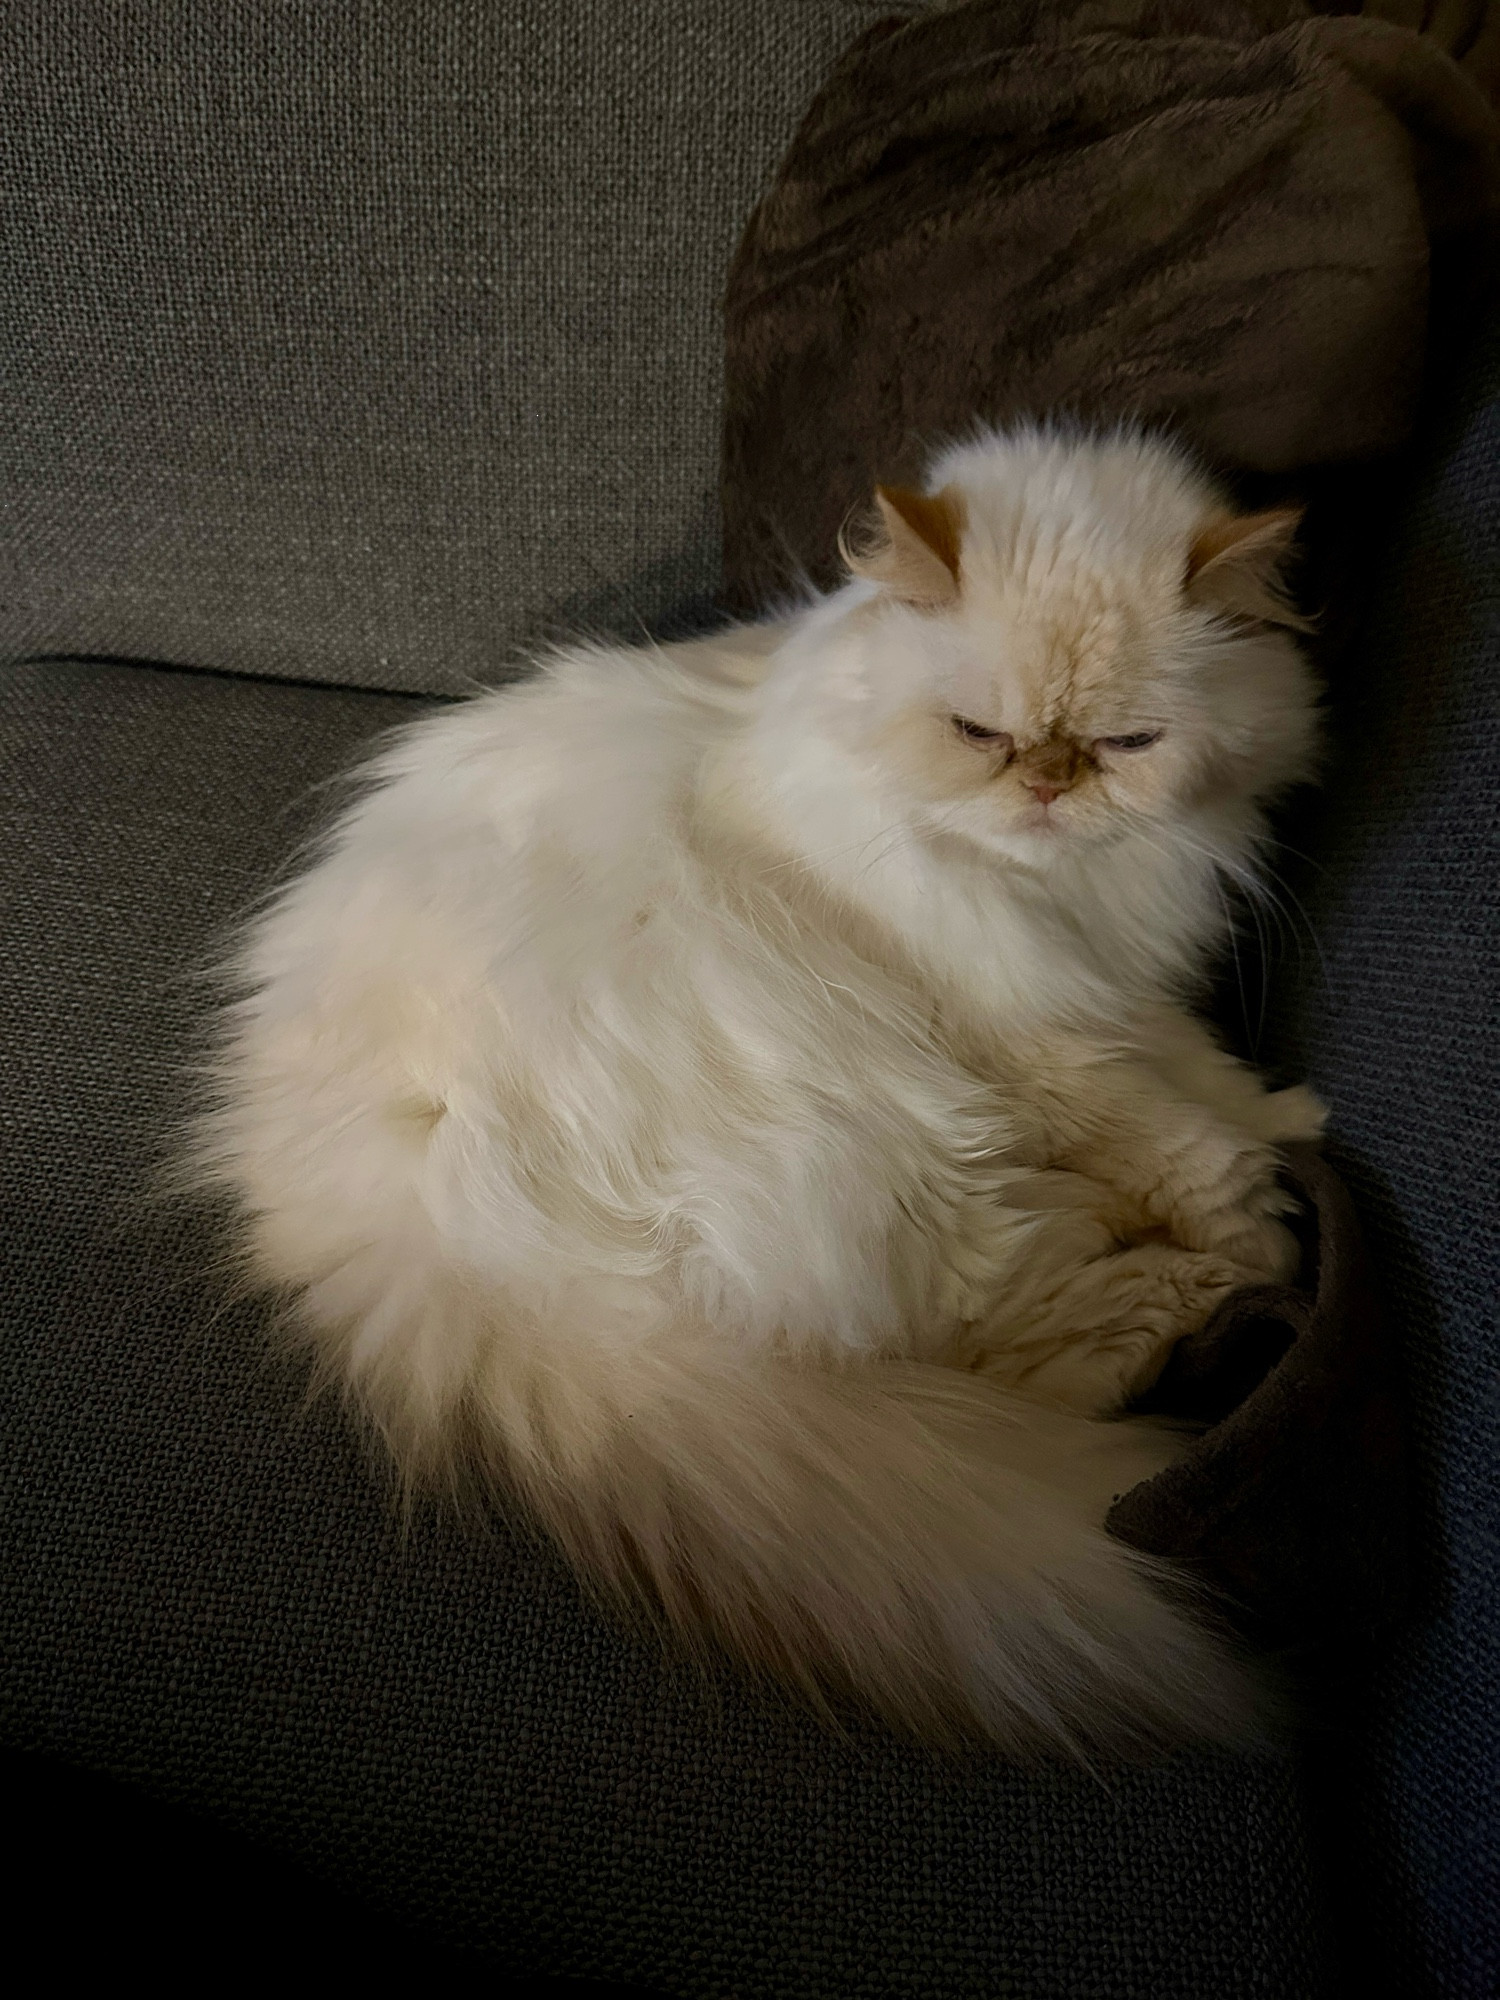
{"type": "Point", "coordinates": [910, 546]}
{"type": "Point", "coordinates": [1236, 564]}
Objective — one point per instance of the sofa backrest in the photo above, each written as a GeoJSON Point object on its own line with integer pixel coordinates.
{"type": "Point", "coordinates": [369, 343]}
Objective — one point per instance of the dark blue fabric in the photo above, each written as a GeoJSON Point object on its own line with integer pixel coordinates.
{"type": "Point", "coordinates": [1392, 1001]}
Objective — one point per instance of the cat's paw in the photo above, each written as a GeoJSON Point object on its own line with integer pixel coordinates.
{"type": "Point", "coordinates": [1287, 1117]}
{"type": "Point", "coordinates": [1262, 1248]}
{"type": "Point", "coordinates": [1233, 1207]}
{"type": "Point", "coordinates": [1115, 1325]}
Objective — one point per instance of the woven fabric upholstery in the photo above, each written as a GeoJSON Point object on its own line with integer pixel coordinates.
{"type": "Point", "coordinates": [204, 1589]}
{"type": "Point", "coordinates": [1391, 1005]}
{"type": "Point", "coordinates": [365, 342]}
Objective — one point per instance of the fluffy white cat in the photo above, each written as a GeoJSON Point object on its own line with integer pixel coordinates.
{"type": "Point", "coordinates": [741, 1097]}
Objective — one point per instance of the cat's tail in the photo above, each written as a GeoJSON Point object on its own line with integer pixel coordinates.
{"type": "Point", "coordinates": [903, 1533]}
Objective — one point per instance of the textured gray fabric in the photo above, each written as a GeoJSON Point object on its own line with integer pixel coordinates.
{"type": "Point", "coordinates": [204, 1590]}
{"type": "Point", "coordinates": [362, 342]}
{"type": "Point", "coordinates": [1394, 1012]}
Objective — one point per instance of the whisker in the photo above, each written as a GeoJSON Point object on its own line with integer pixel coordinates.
{"type": "Point", "coordinates": [1174, 842]}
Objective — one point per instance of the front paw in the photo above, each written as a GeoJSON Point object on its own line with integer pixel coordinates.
{"type": "Point", "coordinates": [1105, 1335]}
{"type": "Point", "coordinates": [1286, 1117]}
{"type": "Point", "coordinates": [1237, 1211]}
{"type": "Point", "coordinates": [1262, 1246]}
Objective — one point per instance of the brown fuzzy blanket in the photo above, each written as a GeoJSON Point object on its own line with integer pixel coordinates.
{"type": "Point", "coordinates": [1250, 221]}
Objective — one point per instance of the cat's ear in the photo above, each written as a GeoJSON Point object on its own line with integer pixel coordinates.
{"type": "Point", "coordinates": [911, 547]}
{"type": "Point", "coordinates": [1237, 564]}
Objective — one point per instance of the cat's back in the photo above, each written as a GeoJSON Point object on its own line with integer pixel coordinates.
{"type": "Point", "coordinates": [535, 809]}
{"type": "Point", "coordinates": [591, 753]}
{"type": "Point", "coordinates": [472, 909]}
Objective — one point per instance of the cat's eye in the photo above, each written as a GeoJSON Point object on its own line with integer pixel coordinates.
{"type": "Point", "coordinates": [978, 734]}
{"type": "Point", "coordinates": [1141, 740]}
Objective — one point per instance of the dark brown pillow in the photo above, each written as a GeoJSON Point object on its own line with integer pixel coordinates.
{"type": "Point", "coordinates": [1218, 215]}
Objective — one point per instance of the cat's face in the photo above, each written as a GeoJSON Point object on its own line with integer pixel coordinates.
{"type": "Point", "coordinates": [1050, 654]}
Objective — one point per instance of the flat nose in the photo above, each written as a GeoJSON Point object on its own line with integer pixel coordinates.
{"type": "Point", "coordinates": [1042, 792]}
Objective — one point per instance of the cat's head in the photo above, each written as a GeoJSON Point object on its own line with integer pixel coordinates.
{"type": "Point", "coordinates": [1068, 637]}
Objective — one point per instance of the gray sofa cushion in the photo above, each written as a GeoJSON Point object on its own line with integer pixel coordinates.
{"type": "Point", "coordinates": [205, 1588]}
{"type": "Point", "coordinates": [363, 342]}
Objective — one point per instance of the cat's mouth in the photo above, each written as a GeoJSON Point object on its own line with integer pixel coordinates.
{"type": "Point", "coordinates": [1043, 820]}
{"type": "Point", "coordinates": [1040, 833]}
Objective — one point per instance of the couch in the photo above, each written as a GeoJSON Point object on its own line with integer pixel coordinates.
{"type": "Point", "coordinates": [345, 352]}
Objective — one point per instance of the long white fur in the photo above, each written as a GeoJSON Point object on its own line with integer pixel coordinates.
{"type": "Point", "coordinates": [668, 1094]}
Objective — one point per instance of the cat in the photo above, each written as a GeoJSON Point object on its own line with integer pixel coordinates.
{"type": "Point", "coordinates": [743, 1097]}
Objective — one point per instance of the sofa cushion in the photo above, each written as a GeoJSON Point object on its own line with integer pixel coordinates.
{"type": "Point", "coordinates": [1389, 997]}
{"type": "Point", "coordinates": [207, 1590]}
{"type": "Point", "coordinates": [363, 343]}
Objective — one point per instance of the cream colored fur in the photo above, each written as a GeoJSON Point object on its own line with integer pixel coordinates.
{"type": "Point", "coordinates": [711, 1093]}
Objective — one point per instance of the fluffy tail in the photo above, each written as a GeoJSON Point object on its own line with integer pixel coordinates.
{"type": "Point", "coordinates": [902, 1533]}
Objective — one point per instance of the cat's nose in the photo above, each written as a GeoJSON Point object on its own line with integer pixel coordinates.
{"type": "Point", "coordinates": [1042, 792]}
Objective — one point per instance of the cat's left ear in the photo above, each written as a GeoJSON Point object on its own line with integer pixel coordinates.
{"type": "Point", "coordinates": [1237, 564]}
{"type": "Point", "coordinates": [912, 546]}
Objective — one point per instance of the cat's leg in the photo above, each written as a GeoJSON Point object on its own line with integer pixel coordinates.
{"type": "Point", "coordinates": [1176, 1167]}
{"type": "Point", "coordinates": [1184, 1053]}
{"type": "Point", "coordinates": [1082, 1322]}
